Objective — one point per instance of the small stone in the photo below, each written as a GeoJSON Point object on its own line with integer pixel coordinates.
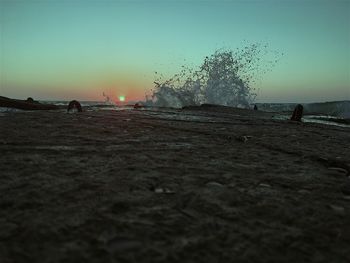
{"type": "Point", "coordinates": [168, 191]}
{"type": "Point", "coordinates": [346, 189]}
{"type": "Point", "coordinates": [346, 197]}
{"type": "Point", "coordinates": [232, 185]}
{"type": "Point", "coordinates": [159, 190]}
{"type": "Point", "coordinates": [7, 229]}
{"type": "Point", "coordinates": [339, 170]}
{"type": "Point", "coordinates": [303, 191]}
{"type": "Point", "coordinates": [337, 209]}
{"type": "Point", "coordinates": [264, 185]}
{"type": "Point", "coordinates": [214, 185]}
{"type": "Point", "coordinates": [163, 191]}
{"type": "Point", "coordinates": [242, 138]}
{"type": "Point", "coordinates": [227, 176]}
{"type": "Point", "coordinates": [122, 244]}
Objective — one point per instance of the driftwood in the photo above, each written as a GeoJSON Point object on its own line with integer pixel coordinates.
{"type": "Point", "coordinates": [28, 104]}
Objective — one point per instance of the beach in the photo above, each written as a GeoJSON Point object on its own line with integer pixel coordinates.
{"type": "Point", "coordinates": [199, 184]}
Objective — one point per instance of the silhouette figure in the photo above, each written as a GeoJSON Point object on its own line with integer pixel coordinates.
{"type": "Point", "coordinates": [255, 107]}
{"type": "Point", "coordinates": [74, 105]}
{"type": "Point", "coordinates": [297, 113]}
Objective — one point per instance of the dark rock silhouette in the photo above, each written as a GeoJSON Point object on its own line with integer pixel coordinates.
{"type": "Point", "coordinates": [138, 106]}
{"type": "Point", "coordinates": [74, 105]}
{"type": "Point", "coordinates": [30, 100]}
{"type": "Point", "coordinates": [28, 104]}
{"type": "Point", "coordinates": [297, 113]}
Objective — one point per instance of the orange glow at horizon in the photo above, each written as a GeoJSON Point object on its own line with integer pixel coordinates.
{"type": "Point", "coordinates": [124, 91]}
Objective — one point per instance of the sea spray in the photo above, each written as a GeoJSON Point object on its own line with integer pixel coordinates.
{"type": "Point", "coordinates": [107, 98]}
{"type": "Point", "coordinates": [224, 78]}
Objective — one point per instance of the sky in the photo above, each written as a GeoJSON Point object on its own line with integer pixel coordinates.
{"type": "Point", "coordinates": [78, 49]}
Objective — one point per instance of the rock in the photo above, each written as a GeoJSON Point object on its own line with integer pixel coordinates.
{"type": "Point", "coordinates": [303, 191]}
{"type": "Point", "coordinates": [346, 197]}
{"type": "Point", "coordinates": [338, 165]}
{"type": "Point", "coordinates": [214, 185]}
{"type": "Point", "coordinates": [7, 229]}
{"type": "Point", "coordinates": [30, 100]}
{"type": "Point", "coordinates": [118, 244]}
{"type": "Point", "coordinates": [297, 113]}
{"type": "Point", "coordinates": [138, 106]}
{"type": "Point", "coordinates": [337, 209]}
{"type": "Point", "coordinates": [264, 185]}
{"type": "Point", "coordinates": [242, 138]}
{"type": "Point", "coordinates": [339, 170]}
{"type": "Point", "coordinates": [28, 104]}
{"type": "Point", "coordinates": [163, 191]}
{"type": "Point", "coordinates": [346, 188]}
{"type": "Point", "coordinates": [74, 105]}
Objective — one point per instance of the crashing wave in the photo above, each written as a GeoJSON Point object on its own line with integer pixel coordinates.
{"type": "Point", "coordinates": [224, 78]}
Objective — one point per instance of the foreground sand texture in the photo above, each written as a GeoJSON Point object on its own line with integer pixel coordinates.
{"type": "Point", "coordinates": [207, 184]}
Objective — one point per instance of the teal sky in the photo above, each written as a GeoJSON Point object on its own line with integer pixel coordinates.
{"type": "Point", "coordinates": [60, 49]}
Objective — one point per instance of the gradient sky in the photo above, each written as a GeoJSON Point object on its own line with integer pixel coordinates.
{"type": "Point", "coordinates": [61, 49]}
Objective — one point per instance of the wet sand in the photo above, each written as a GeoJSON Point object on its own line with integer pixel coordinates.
{"type": "Point", "coordinates": [210, 184]}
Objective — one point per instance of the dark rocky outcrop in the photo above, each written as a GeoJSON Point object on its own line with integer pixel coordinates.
{"type": "Point", "coordinates": [28, 104]}
{"type": "Point", "coordinates": [297, 113]}
{"type": "Point", "coordinates": [138, 105]}
{"type": "Point", "coordinates": [74, 104]}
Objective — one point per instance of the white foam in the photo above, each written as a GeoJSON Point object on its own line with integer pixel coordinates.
{"type": "Point", "coordinates": [5, 109]}
{"type": "Point", "coordinates": [224, 78]}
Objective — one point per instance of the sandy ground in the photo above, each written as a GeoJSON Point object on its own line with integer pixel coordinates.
{"type": "Point", "coordinates": [197, 185]}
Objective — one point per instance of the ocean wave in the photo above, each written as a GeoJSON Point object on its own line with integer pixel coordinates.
{"type": "Point", "coordinates": [224, 78]}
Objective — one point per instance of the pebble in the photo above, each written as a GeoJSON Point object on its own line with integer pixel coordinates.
{"type": "Point", "coordinates": [346, 197]}
{"type": "Point", "coordinates": [339, 170]}
{"type": "Point", "coordinates": [163, 191]}
{"type": "Point", "coordinates": [228, 176]}
{"type": "Point", "coordinates": [159, 190]}
{"type": "Point", "coordinates": [214, 185]}
{"type": "Point", "coordinates": [242, 138]}
{"type": "Point", "coordinates": [303, 191]}
{"type": "Point", "coordinates": [264, 185]}
{"type": "Point", "coordinates": [346, 189]}
{"type": "Point", "coordinates": [123, 244]}
{"type": "Point", "coordinates": [7, 229]}
{"type": "Point", "coordinates": [232, 185]}
{"type": "Point", "coordinates": [337, 209]}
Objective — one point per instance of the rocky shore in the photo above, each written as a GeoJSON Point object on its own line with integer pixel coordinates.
{"type": "Point", "coordinates": [201, 184]}
{"type": "Point", "coordinates": [28, 104]}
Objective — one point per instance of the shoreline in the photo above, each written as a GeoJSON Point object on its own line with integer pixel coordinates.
{"type": "Point", "coordinates": [283, 115]}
